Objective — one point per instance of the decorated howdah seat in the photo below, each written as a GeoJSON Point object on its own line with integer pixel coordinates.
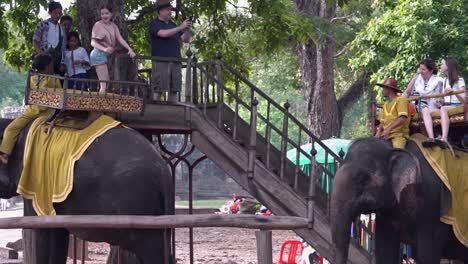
{"type": "Point", "coordinates": [123, 96]}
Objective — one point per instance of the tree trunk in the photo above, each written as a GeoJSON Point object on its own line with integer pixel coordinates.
{"type": "Point", "coordinates": [316, 62]}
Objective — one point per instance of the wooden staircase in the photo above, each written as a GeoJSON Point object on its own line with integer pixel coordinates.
{"type": "Point", "coordinates": [231, 123]}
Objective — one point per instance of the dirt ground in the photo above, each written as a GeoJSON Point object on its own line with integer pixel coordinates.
{"type": "Point", "coordinates": [211, 246]}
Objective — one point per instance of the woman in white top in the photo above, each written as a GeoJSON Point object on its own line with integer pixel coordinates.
{"type": "Point", "coordinates": [77, 61]}
{"type": "Point", "coordinates": [426, 83]}
{"type": "Point", "coordinates": [453, 82]}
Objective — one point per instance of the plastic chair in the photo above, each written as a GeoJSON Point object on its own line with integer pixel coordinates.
{"type": "Point", "coordinates": [295, 249]}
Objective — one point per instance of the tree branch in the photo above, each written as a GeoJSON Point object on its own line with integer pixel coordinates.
{"type": "Point", "coordinates": [353, 94]}
{"type": "Point", "coordinates": [149, 10]}
{"type": "Point", "coordinates": [343, 51]}
{"type": "Point", "coordinates": [333, 20]}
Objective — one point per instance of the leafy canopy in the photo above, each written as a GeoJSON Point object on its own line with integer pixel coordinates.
{"type": "Point", "coordinates": [407, 31]}
{"type": "Point", "coordinates": [270, 25]}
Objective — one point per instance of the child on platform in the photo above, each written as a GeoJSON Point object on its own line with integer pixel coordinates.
{"type": "Point", "coordinates": [43, 63]}
{"type": "Point", "coordinates": [77, 61]}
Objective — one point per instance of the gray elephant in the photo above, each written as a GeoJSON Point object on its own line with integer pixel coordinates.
{"type": "Point", "coordinates": [402, 188]}
{"type": "Point", "coordinates": [121, 173]}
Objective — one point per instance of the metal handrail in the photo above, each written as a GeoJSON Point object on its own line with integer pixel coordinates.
{"type": "Point", "coordinates": [279, 107]}
{"type": "Point", "coordinates": [290, 141]}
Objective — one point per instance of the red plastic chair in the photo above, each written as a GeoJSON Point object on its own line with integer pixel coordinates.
{"type": "Point", "coordinates": [295, 250]}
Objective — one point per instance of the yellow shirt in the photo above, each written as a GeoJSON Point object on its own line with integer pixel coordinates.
{"type": "Point", "coordinates": [391, 111]}
{"type": "Point", "coordinates": [45, 82]}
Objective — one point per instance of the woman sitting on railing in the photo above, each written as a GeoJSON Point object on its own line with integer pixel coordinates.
{"type": "Point", "coordinates": [453, 82]}
{"type": "Point", "coordinates": [426, 83]}
{"type": "Point", "coordinates": [43, 64]}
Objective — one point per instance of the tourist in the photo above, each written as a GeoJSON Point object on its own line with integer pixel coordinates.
{"type": "Point", "coordinates": [166, 38]}
{"type": "Point", "coordinates": [49, 37]}
{"type": "Point", "coordinates": [105, 35]}
{"type": "Point", "coordinates": [452, 82]}
{"type": "Point", "coordinates": [77, 61]}
{"type": "Point", "coordinates": [43, 63]}
{"type": "Point", "coordinates": [67, 23]}
{"type": "Point", "coordinates": [425, 83]}
{"type": "Point", "coordinates": [394, 121]}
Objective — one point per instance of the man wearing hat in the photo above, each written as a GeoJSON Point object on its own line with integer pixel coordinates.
{"type": "Point", "coordinates": [394, 121]}
{"type": "Point", "coordinates": [166, 38]}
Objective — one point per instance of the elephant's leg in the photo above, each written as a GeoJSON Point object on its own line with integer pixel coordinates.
{"type": "Point", "coordinates": [428, 247]}
{"type": "Point", "coordinates": [150, 247]}
{"type": "Point", "coordinates": [387, 243]}
{"type": "Point", "coordinates": [45, 246]}
{"type": "Point", "coordinates": [58, 245]}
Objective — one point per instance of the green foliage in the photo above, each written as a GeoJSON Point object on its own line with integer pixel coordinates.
{"type": "Point", "coordinates": [13, 85]}
{"type": "Point", "coordinates": [267, 25]}
{"type": "Point", "coordinates": [408, 31]}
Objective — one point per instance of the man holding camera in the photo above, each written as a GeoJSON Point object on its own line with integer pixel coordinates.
{"type": "Point", "coordinates": [166, 38]}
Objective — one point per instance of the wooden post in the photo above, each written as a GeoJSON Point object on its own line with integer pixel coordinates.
{"type": "Point", "coordinates": [268, 137]}
{"type": "Point", "coordinates": [284, 141]}
{"type": "Point", "coordinates": [466, 105]}
{"type": "Point", "coordinates": [195, 82]}
{"type": "Point", "coordinates": [188, 78]}
{"type": "Point", "coordinates": [264, 248]}
{"type": "Point", "coordinates": [253, 139]}
{"type": "Point", "coordinates": [311, 194]}
{"type": "Point", "coordinates": [236, 110]}
{"type": "Point", "coordinates": [220, 91]}
{"type": "Point", "coordinates": [297, 168]}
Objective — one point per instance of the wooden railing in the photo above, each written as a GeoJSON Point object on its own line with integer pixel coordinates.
{"type": "Point", "coordinates": [263, 224]}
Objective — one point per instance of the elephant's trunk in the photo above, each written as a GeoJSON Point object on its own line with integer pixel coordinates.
{"type": "Point", "coordinates": [341, 228]}
{"type": "Point", "coordinates": [342, 214]}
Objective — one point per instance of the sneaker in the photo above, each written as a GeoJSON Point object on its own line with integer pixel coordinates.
{"type": "Point", "coordinates": [441, 143]}
{"type": "Point", "coordinates": [429, 143]}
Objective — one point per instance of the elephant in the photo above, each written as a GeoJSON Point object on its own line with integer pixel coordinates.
{"type": "Point", "coordinates": [121, 173]}
{"type": "Point", "coordinates": [405, 193]}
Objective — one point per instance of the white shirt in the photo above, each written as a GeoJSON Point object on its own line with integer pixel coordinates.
{"type": "Point", "coordinates": [78, 54]}
{"type": "Point", "coordinates": [458, 86]}
{"type": "Point", "coordinates": [53, 35]}
{"type": "Point", "coordinates": [433, 86]}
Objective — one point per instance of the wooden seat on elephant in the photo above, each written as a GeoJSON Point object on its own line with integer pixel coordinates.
{"type": "Point", "coordinates": [123, 96]}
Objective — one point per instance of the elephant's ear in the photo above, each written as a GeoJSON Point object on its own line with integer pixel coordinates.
{"type": "Point", "coordinates": [405, 171]}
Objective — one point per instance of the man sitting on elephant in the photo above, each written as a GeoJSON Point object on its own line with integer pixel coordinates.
{"type": "Point", "coordinates": [43, 63]}
{"type": "Point", "coordinates": [394, 121]}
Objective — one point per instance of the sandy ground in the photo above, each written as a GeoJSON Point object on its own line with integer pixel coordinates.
{"type": "Point", "coordinates": [211, 245]}
{"type": "Point", "coordinates": [10, 235]}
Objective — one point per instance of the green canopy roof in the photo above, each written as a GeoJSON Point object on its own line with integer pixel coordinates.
{"type": "Point", "coordinates": [334, 144]}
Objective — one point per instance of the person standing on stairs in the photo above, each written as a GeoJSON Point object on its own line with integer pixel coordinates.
{"type": "Point", "coordinates": [166, 38]}
{"type": "Point", "coordinates": [394, 121]}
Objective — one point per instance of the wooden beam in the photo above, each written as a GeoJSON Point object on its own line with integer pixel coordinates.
{"type": "Point", "coordinates": [155, 222]}
{"type": "Point", "coordinates": [264, 247]}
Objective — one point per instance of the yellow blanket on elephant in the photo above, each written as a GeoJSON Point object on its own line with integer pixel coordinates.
{"type": "Point", "coordinates": [454, 174]}
{"type": "Point", "coordinates": [49, 159]}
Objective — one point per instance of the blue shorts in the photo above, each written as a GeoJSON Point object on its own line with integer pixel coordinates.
{"type": "Point", "coordinates": [98, 57]}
